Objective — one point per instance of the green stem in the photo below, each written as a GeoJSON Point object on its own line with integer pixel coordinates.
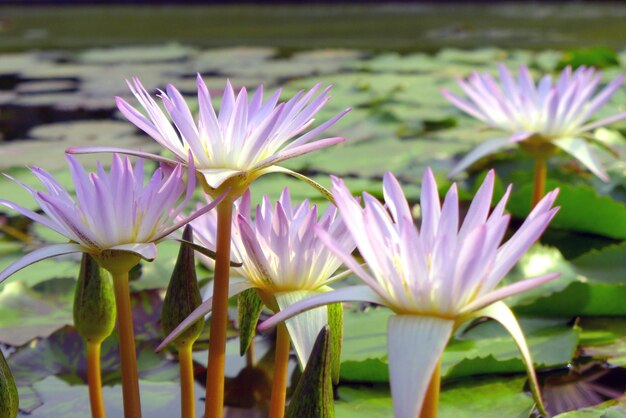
{"type": "Point", "coordinates": [431, 401]}
{"type": "Point", "coordinates": [128, 354]}
{"type": "Point", "coordinates": [94, 379]}
{"type": "Point", "coordinates": [185, 364]}
{"type": "Point", "coordinates": [281, 367]}
{"type": "Point", "coordinates": [219, 314]}
{"type": "Point", "coordinates": [539, 184]}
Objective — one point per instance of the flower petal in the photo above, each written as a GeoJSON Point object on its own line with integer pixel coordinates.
{"type": "Point", "coordinates": [146, 251]}
{"type": "Point", "coordinates": [346, 294]}
{"type": "Point", "coordinates": [297, 151]}
{"type": "Point", "coordinates": [414, 347]}
{"type": "Point", "coordinates": [506, 291]}
{"type": "Point", "coordinates": [98, 150]}
{"type": "Point", "coordinates": [304, 327]}
{"type": "Point", "coordinates": [486, 148]}
{"type": "Point", "coordinates": [579, 149]}
{"type": "Point", "coordinates": [503, 314]}
{"type": "Point", "coordinates": [234, 288]}
{"type": "Point", "coordinates": [216, 176]}
{"type": "Point", "coordinates": [324, 191]}
{"type": "Point", "coordinates": [191, 217]}
{"type": "Point", "coordinates": [38, 255]}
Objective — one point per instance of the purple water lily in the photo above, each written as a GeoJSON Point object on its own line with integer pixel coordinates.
{"type": "Point", "coordinates": [113, 212]}
{"type": "Point", "coordinates": [433, 278]}
{"type": "Point", "coordinates": [541, 118]}
{"type": "Point", "coordinates": [246, 139]}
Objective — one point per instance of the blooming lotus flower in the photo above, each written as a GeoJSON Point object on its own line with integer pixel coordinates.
{"type": "Point", "coordinates": [114, 213]}
{"type": "Point", "coordinates": [434, 278]}
{"type": "Point", "coordinates": [540, 118]}
{"type": "Point", "coordinates": [246, 139]}
{"type": "Point", "coordinates": [282, 259]}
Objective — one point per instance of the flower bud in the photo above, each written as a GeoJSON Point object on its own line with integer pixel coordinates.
{"type": "Point", "coordinates": [94, 302]}
{"type": "Point", "coordinates": [183, 295]}
{"type": "Point", "coordinates": [9, 402]}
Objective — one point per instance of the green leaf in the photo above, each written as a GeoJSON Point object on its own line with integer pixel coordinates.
{"type": "Point", "coordinates": [249, 307]}
{"type": "Point", "coordinates": [597, 56]}
{"type": "Point", "coordinates": [480, 397]}
{"type": "Point", "coordinates": [313, 397]}
{"type": "Point", "coordinates": [26, 313]}
{"type": "Point", "coordinates": [486, 348]}
{"type": "Point", "coordinates": [582, 210]}
{"type": "Point", "coordinates": [579, 298]}
{"type": "Point", "coordinates": [607, 265]}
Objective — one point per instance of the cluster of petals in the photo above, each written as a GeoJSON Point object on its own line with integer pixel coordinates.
{"type": "Point", "coordinates": [433, 277]}
{"type": "Point", "coordinates": [282, 258]}
{"type": "Point", "coordinates": [115, 211]}
{"type": "Point", "coordinates": [244, 140]}
{"type": "Point", "coordinates": [555, 111]}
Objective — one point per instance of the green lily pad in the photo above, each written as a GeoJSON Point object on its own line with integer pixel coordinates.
{"type": "Point", "coordinates": [486, 398]}
{"type": "Point", "coordinates": [483, 349]}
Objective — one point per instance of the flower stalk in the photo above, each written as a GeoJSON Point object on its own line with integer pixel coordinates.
{"type": "Point", "coordinates": [185, 365]}
{"type": "Point", "coordinates": [281, 368]}
{"type": "Point", "coordinates": [540, 173]}
{"type": "Point", "coordinates": [94, 379]}
{"type": "Point", "coordinates": [219, 317]}
{"type": "Point", "coordinates": [128, 354]}
{"type": "Point", "coordinates": [431, 399]}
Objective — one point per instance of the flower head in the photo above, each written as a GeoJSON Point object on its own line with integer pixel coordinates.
{"type": "Point", "coordinates": [434, 277]}
{"type": "Point", "coordinates": [113, 213]}
{"type": "Point", "coordinates": [538, 117]}
{"type": "Point", "coordinates": [243, 141]}
{"type": "Point", "coordinates": [282, 258]}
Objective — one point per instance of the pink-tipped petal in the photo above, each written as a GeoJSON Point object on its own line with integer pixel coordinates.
{"type": "Point", "coordinates": [297, 151]}
{"type": "Point", "coordinates": [507, 291]}
{"type": "Point", "coordinates": [414, 347]}
{"type": "Point", "coordinates": [38, 255]}
{"type": "Point", "coordinates": [346, 294]}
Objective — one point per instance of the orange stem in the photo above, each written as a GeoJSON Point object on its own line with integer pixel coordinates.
{"type": "Point", "coordinates": [219, 314]}
{"type": "Point", "coordinates": [128, 354]}
{"type": "Point", "coordinates": [281, 367]}
{"type": "Point", "coordinates": [431, 401]}
{"type": "Point", "coordinates": [539, 186]}
{"type": "Point", "coordinates": [94, 379]}
{"type": "Point", "coordinates": [187, 398]}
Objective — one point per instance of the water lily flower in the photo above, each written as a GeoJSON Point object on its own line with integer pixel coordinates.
{"type": "Point", "coordinates": [540, 118]}
{"type": "Point", "coordinates": [282, 258]}
{"type": "Point", "coordinates": [434, 278]}
{"type": "Point", "coordinates": [114, 215]}
{"type": "Point", "coordinates": [246, 139]}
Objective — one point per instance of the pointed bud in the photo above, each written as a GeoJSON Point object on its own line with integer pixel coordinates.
{"type": "Point", "coordinates": [183, 295]}
{"type": "Point", "coordinates": [9, 402]}
{"type": "Point", "coordinates": [313, 397]}
{"type": "Point", "coordinates": [94, 301]}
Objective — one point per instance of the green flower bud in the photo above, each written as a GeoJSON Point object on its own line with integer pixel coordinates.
{"type": "Point", "coordinates": [94, 302]}
{"type": "Point", "coordinates": [9, 402]}
{"type": "Point", "coordinates": [183, 295]}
